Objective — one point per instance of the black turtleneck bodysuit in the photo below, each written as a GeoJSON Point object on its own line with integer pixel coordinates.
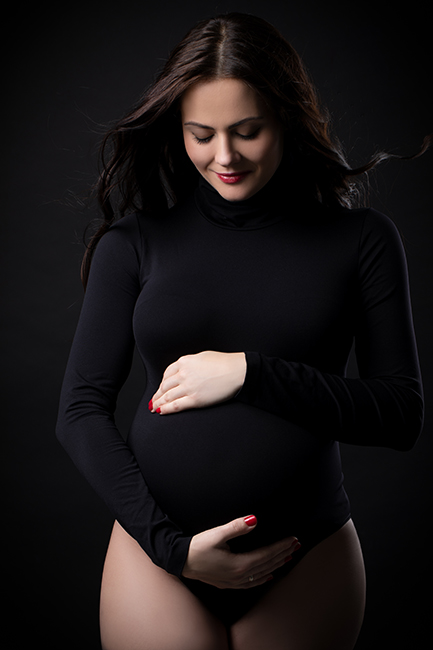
{"type": "Point", "coordinates": [292, 287]}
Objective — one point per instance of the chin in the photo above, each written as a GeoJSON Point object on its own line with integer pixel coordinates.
{"type": "Point", "coordinates": [236, 192]}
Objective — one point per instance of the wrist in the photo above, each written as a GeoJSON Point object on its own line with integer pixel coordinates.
{"type": "Point", "coordinates": [194, 550]}
{"type": "Point", "coordinates": [240, 369]}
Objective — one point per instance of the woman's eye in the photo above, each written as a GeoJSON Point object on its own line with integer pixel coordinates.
{"type": "Point", "coordinates": [249, 136]}
{"type": "Point", "coordinates": [202, 140]}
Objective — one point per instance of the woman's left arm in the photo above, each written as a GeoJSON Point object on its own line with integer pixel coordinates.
{"type": "Point", "coordinates": [383, 407]}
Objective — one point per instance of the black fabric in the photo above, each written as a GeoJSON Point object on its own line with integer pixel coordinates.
{"type": "Point", "coordinates": [262, 209]}
{"type": "Point", "coordinates": [292, 287]}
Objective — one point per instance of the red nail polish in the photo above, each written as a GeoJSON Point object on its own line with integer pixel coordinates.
{"type": "Point", "coordinates": [251, 520]}
{"type": "Point", "coordinates": [150, 405]}
{"type": "Point", "coordinates": [158, 410]}
{"type": "Point", "coordinates": [288, 558]}
{"type": "Point", "coordinates": [270, 578]}
{"type": "Point", "coordinates": [297, 547]}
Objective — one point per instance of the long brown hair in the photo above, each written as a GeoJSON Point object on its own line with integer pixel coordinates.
{"type": "Point", "coordinates": [144, 163]}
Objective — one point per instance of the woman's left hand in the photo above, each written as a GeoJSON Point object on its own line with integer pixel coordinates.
{"type": "Point", "coordinates": [198, 380]}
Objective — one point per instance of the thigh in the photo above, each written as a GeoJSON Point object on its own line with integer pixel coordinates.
{"type": "Point", "coordinates": [318, 606]}
{"type": "Point", "coordinates": [145, 608]}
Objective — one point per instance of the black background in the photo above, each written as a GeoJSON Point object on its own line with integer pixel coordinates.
{"type": "Point", "coordinates": [68, 70]}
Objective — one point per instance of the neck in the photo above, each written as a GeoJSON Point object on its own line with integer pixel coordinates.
{"type": "Point", "coordinates": [262, 209]}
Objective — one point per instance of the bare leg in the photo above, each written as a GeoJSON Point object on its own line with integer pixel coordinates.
{"type": "Point", "coordinates": [145, 608]}
{"type": "Point", "coordinates": [318, 606]}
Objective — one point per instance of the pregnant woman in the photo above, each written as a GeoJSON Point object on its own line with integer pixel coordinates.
{"type": "Point", "coordinates": [243, 275]}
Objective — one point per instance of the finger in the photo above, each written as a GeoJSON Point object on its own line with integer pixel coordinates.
{"type": "Point", "coordinates": [267, 553]}
{"type": "Point", "coordinates": [259, 575]}
{"type": "Point", "coordinates": [279, 555]}
{"type": "Point", "coordinates": [169, 372]}
{"type": "Point", "coordinates": [267, 559]}
{"type": "Point", "coordinates": [255, 582]}
{"type": "Point", "coordinates": [234, 528]}
{"type": "Point", "coordinates": [169, 395]}
{"type": "Point", "coordinates": [176, 406]}
{"type": "Point", "coordinates": [273, 563]}
{"type": "Point", "coordinates": [164, 387]}
{"type": "Point", "coordinates": [263, 573]}
{"type": "Point", "coordinates": [172, 369]}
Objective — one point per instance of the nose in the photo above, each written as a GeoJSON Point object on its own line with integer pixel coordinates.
{"type": "Point", "coordinates": [226, 153]}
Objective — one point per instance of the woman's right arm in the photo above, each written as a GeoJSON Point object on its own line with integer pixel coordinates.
{"type": "Point", "coordinates": [98, 365]}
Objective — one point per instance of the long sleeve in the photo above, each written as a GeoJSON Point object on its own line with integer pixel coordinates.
{"type": "Point", "coordinates": [384, 406]}
{"type": "Point", "coordinates": [98, 366]}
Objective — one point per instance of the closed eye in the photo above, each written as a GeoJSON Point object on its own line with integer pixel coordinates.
{"type": "Point", "coordinates": [249, 136]}
{"type": "Point", "coordinates": [202, 140]}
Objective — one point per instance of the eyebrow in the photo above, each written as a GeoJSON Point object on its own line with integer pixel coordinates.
{"type": "Point", "coordinates": [232, 126]}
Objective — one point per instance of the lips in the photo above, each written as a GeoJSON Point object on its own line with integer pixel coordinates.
{"type": "Point", "coordinates": [232, 177]}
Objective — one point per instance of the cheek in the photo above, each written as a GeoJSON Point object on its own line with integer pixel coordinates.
{"type": "Point", "coordinates": [198, 157]}
{"type": "Point", "coordinates": [188, 149]}
{"type": "Point", "coordinates": [273, 152]}
{"type": "Point", "coordinates": [269, 151]}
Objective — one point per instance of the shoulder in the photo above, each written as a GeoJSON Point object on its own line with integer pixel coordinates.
{"type": "Point", "coordinates": [124, 230]}
{"type": "Point", "coordinates": [128, 233]}
{"type": "Point", "coordinates": [381, 252]}
{"type": "Point", "coordinates": [128, 243]}
{"type": "Point", "coordinates": [372, 229]}
{"type": "Point", "coordinates": [370, 220]}
{"type": "Point", "coordinates": [380, 236]}
{"type": "Point", "coordinates": [121, 246]}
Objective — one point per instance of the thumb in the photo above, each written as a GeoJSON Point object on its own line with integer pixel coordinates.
{"type": "Point", "coordinates": [235, 528]}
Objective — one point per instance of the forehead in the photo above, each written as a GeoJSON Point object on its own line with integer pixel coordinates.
{"type": "Point", "coordinates": [221, 101]}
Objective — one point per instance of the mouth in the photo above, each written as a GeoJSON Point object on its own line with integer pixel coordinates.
{"type": "Point", "coordinates": [232, 177]}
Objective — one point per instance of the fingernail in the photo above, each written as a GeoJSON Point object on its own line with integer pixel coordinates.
{"type": "Point", "coordinates": [288, 558]}
{"type": "Point", "coordinates": [150, 405]}
{"type": "Point", "coordinates": [270, 578]}
{"type": "Point", "coordinates": [297, 547]}
{"type": "Point", "coordinates": [251, 520]}
{"type": "Point", "coordinates": [158, 410]}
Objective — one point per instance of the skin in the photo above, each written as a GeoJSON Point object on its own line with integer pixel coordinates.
{"type": "Point", "coordinates": [199, 380]}
{"type": "Point", "coordinates": [228, 129]}
{"type": "Point", "coordinates": [229, 134]}
{"type": "Point", "coordinates": [318, 606]}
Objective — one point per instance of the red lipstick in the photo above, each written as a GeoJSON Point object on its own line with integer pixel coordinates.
{"type": "Point", "coordinates": [232, 177]}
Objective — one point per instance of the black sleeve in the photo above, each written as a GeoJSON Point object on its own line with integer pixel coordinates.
{"type": "Point", "coordinates": [98, 365]}
{"type": "Point", "coordinates": [384, 407]}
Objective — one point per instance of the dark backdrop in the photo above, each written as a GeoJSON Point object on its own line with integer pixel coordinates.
{"type": "Point", "coordinates": [70, 69]}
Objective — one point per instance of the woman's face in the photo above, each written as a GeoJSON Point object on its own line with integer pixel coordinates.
{"type": "Point", "coordinates": [233, 139]}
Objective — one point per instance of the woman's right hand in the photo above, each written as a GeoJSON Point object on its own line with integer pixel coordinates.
{"type": "Point", "coordinates": [211, 560]}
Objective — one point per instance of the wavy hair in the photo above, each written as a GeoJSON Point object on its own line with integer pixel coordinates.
{"type": "Point", "coordinates": [144, 164]}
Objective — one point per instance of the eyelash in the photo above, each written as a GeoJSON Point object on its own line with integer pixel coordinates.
{"type": "Point", "coordinates": [243, 137]}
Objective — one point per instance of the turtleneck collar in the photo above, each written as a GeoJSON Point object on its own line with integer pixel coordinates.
{"type": "Point", "coordinates": [262, 209]}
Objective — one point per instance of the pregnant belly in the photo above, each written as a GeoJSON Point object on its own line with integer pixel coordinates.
{"type": "Point", "coordinates": [207, 466]}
